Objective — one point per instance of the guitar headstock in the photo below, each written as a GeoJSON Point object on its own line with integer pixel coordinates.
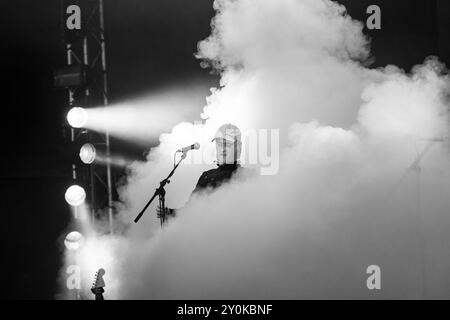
{"type": "Point", "coordinates": [99, 283]}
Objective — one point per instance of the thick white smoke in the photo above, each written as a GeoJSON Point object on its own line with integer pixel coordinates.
{"type": "Point", "coordinates": [346, 195]}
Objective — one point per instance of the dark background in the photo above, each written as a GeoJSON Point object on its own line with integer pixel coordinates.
{"type": "Point", "coordinates": [149, 44]}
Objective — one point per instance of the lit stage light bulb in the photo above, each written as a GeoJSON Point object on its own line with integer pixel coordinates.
{"type": "Point", "coordinates": [75, 195]}
{"type": "Point", "coordinates": [77, 117]}
{"type": "Point", "coordinates": [73, 240]}
{"type": "Point", "coordinates": [88, 153]}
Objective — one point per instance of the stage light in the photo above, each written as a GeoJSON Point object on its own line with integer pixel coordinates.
{"type": "Point", "coordinates": [75, 195]}
{"type": "Point", "coordinates": [69, 76]}
{"type": "Point", "coordinates": [88, 153]}
{"type": "Point", "coordinates": [73, 240]}
{"type": "Point", "coordinates": [77, 117]}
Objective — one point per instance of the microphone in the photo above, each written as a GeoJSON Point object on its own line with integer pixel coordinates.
{"type": "Point", "coordinates": [191, 147]}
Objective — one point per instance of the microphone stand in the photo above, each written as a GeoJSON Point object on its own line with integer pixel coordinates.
{"type": "Point", "coordinates": [161, 193]}
{"type": "Point", "coordinates": [417, 169]}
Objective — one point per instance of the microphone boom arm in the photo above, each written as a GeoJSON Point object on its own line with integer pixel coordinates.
{"type": "Point", "coordinates": [160, 190]}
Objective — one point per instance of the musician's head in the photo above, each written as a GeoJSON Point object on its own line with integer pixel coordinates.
{"type": "Point", "coordinates": [228, 144]}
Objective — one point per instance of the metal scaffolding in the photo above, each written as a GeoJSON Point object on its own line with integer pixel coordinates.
{"type": "Point", "coordinates": [85, 48]}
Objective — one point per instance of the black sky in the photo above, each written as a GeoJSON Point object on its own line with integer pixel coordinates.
{"type": "Point", "coordinates": [150, 44]}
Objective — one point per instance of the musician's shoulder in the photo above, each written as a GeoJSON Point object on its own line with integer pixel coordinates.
{"type": "Point", "coordinates": [207, 173]}
{"type": "Point", "coordinates": [210, 171]}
